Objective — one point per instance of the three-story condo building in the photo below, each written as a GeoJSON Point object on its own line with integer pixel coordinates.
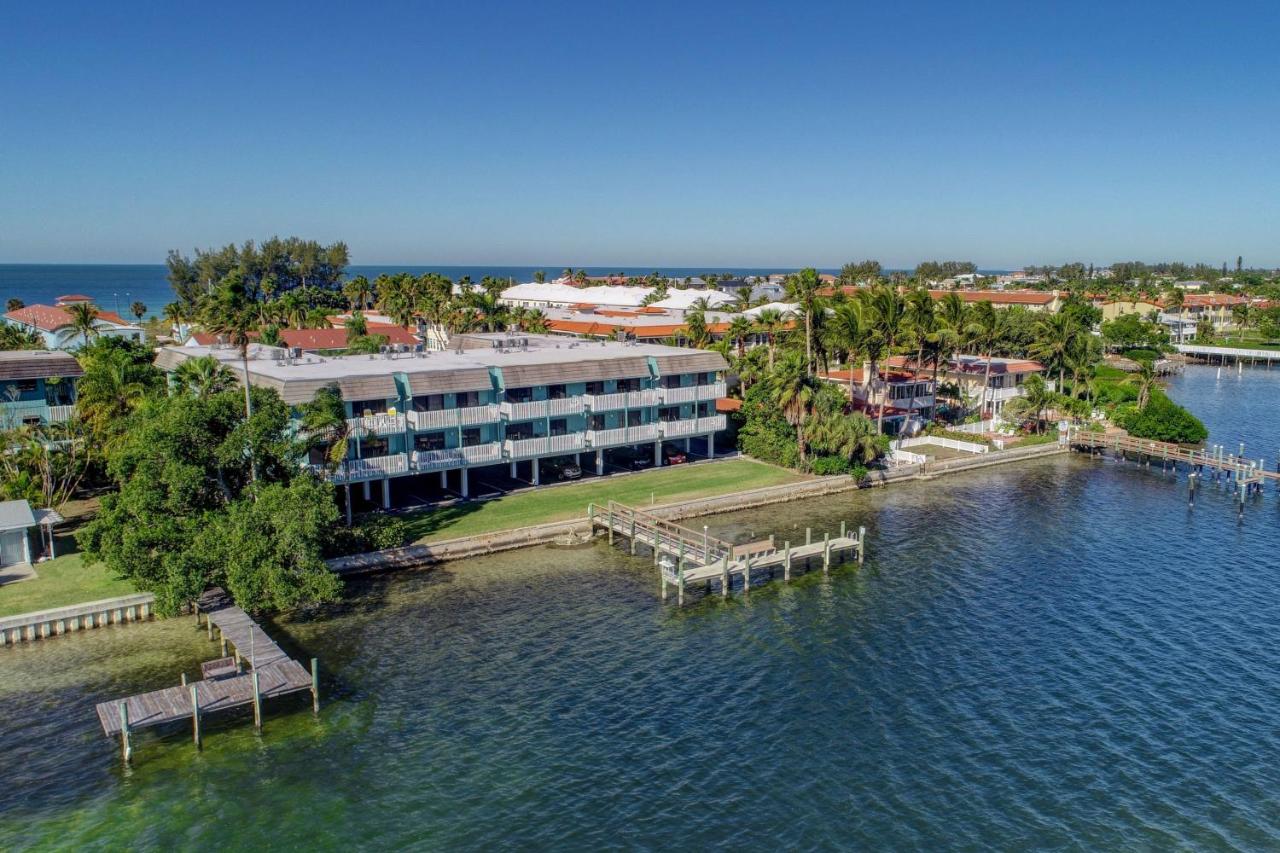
{"type": "Point", "coordinates": [496, 406]}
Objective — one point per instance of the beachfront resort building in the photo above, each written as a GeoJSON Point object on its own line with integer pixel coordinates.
{"type": "Point", "coordinates": [37, 387]}
{"type": "Point", "coordinates": [493, 410]}
{"type": "Point", "coordinates": [55, 326]}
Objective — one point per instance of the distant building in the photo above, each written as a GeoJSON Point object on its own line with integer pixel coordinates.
{"type": "Point", "coordinates": [37, 387]}
{"type": "Point", "coordinates": [53, 323]}
{"type": "Point", "coordinates": [907, 397]}
{"type": "Point", "coordinates": [967, 373]}
{"type": "Point", "coordinates": [1039, 301]}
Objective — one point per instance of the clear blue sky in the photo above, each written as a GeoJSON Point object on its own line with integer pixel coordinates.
{"type": "Point", "coordinates": [643, 133]}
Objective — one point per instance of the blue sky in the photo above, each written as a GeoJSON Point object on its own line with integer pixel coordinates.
{"type": "Point", "coordinates": [613, 134]}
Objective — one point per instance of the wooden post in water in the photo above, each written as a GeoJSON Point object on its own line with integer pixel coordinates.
{"type": "Point", "coordinates": [126, 749]}
{"type": "Point", "coordinates": [208, 624]}
{"type": "Point", "coordinates": [184, 679]}
{"type": "Point", "coordinates": [610, 522]}
{"type": "Point", "coordinates": [808, 536]}
{"type": "Point", "coordinates": [633, 535]}
{"type": "Point", "coordinates": [195, 715]}
{"type": "Point", "coordinates": [315, 686]}
{"type": "Point", "coordinates": [843, 527]}
{"type": "Point", "coordinates": [826, 552]}
{"type": "Point", "coordinates": [746, 574]}
{"type": "Point", "coordinates": [257, 703]}
{"type": "Point", "coordinates": [724, 576]}
{"type": "Point", "coordinates": [680, 583]}
{"type": "Point", "coordinates": [862, 544]}
{"type": "Point", "coordinates": [786, 561]}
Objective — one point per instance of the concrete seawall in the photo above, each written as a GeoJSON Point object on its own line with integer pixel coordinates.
{"type": "Point", "coordinates": [411, 556]}
{"type": "Point", "coordinates": [78, 617]}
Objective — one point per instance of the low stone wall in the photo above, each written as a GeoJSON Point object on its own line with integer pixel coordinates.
{"type": "Point", "coordinates": [78, 617]}
{"type": "Point", "coordinates": [541, 534]}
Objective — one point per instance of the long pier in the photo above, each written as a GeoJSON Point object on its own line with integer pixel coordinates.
{"type": "Point", "coordinates": [685, 556]}
{"type": "Point", "coordinates": [224, 684]}
{"type": "Point", "coordinates": [1246, 476]}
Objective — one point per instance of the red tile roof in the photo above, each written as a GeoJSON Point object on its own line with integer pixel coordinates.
{"type": "Point", "coordinates": [1003, 297]}
{"type": "Point", "coordinates": [50, 318]}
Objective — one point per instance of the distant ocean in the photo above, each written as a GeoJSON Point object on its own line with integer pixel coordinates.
{"type": "Point", "coordinates": [117, 286]}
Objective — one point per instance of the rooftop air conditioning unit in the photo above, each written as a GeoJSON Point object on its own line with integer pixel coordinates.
{"type": "Point", "coordinates": [295, 352]}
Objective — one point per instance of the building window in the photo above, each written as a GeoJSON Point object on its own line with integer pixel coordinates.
{"type": "Point", "coordinates": [704, 410]}
{"type": "Point", "coordinates": [374, 447]}
{"type": "Point", "coordinates": [595, 387]}
{"type": "Point", "coordinates": [471, 437]}
{"type": "Point", "coordinates": [519, 431]}
{"type": "Point", "coordinates": [557, 392]}
{"type": "Point", "coordinates": [559, 426]}
{"type": "Point", "coordinates": [628, 384]}
{"type": "Point", "coordinates": [596, 422]}
{"type": "Point", "coordinates": [468, 399]}
{"type": "Point", "coordinates": [368, 407]}
{"type": "Point", "coordinates": [428, 403]}
{"type": "Point", "coordinates": [519, 395]}
{"type": "Point", "coordinates": [669, 413]}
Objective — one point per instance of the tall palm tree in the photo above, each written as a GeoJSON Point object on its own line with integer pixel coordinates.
{"type": "Point", "coordinates": [83, 317]}
{"type": "Point", "coordinates": [493, 314]}
{"type": "Point", "coordinates": [1055, 338]}
{"type": "Point", "coordinates": [793, 392]}
{"type": "Point", "coordinates": [847, 332]}
{"type": "Point", "coordinates": [953, 312]}
{"type": "Point", "coordinates": [356, 325]}
{"type": "Point", "coordinates": [922, 320]}
{"type": "Point", "coordinates": [231, 315]}
{"type": "Point", "coordinates": [1144, 380]}
{"type": "Point", "coordinates": [696, 330]}
{"type": "Point", "coordinates": [987, 328]}
{"type": "Point", "coordinates": [137, 309]}
{"type": "Point", "coordinates": [888, 313]}
{"type": "Point", "coordinates": [741, 327]}
{"type": "Point", "coordinates": [325, 427]}
{"type": "Point", "coordinates": [359, 293]}
{"type": "Point", "coordinates": [108, 392]}
{"type": "Point", "coordinates": [803, 288]}
{"type": "Point", "coordinates": [772, 322]}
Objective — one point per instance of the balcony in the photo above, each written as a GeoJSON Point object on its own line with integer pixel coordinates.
{"type": "Point", "coordinates": [16, 414]}
{"type": "Point", "coordinates": [525, 448]}
{"type": "Point", "coordinates": [457, 457]}
{"type": "Point", "coordinates": [692, 426]}
{"type": "Point", "coordinates": [622, 435]}
{"type": "Point", "coordinates": [383, 424]}
{"type": "Point", "coordinates": [540, 409]}
{"type": "Point", "coordinates": [445, 418]}
{"type": "Point", "coordinates": [622, 400]}
{"type": "Point", "coordinates": [692, 393]}
{"type": "Point", "coordinates": [58, 414]}
{"type": "Point", "coordinates": [371, 468]}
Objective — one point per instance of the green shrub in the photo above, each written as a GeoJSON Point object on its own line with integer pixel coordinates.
{"type": "Point", "coordinates": [1161, 420]}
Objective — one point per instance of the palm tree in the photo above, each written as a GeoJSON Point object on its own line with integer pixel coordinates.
{"type": "Point", "coordinates": [1037, 397]}
{"type": "Point", "coordinates": [359, 292]}
{"type": "Point", "coordinates": [1055, 339]}
{"type": "Point", "coordinates": [137, 309]}
{"type": "Point", "coordinates": [230, 314]}
{"type": "Point", "coordinates": [695, 324]}
{"type": "Point", "coordinates": [539, 276]}
{"type": "Point", "coordinates": [803, 288]}
{"type": "Point", "coordinates": [201, 377]}
{"type": "Point", "coordinates": [771, 321]}
{"type": "Point", "coordinates": [83, 317]}
{"type": "Point", "coordinates": [888, 321]}
{"type": "Point", "coordinates": [108, 392]}
{"type": "Point", "coordinates": [793, 391]}
{"type": "Point", "coordinates": [741, 327]}
{"type": "Point", "coordinates": [493, 313]}
{"type": "Point", "coordinates": [847, 332]}
{"type": "Point", "coordinates": [1144, 380]}
{"type": "Point", "coordinates": [987, 328]}
{"type": "Point", "coordinates": [921, 318]}
{"type": "Point", "coordinates": [356, 326]}
{"type": "Point", "coordinates": [325, 426]}
{"type": "Point", "coordinates": [954, 313]}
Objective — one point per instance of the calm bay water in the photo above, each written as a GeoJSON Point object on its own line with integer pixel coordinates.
{"type": "Point", "coordinates": [1057, 654]}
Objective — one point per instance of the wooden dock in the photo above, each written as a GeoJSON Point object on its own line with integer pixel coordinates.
{"type": "Point", "coordinates": [685, 556]}
{"type": "Point", "coordinates": [271, 673]}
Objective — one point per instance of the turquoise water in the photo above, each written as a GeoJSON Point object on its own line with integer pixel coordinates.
{"type": "Point", "coordinates": [1058, 654]}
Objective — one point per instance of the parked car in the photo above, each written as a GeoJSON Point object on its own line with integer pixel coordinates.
{"type": "Point", "coordinates": [561, 468]}
{"type": "Point", "coordinates": [636, 460]}
{"type": "Point", "coordinates": [671, 456]}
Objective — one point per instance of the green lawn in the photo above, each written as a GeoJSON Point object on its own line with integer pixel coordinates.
{"type": "Point", "coordinates": [1246, 343]}
{"type": "Point", "coordinates": [679, 482]}
{"type": "Point", "coordinates": [61, 583]}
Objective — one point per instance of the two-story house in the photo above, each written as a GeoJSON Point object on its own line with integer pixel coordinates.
{"type": "Point", "coordinates": [37, 387]}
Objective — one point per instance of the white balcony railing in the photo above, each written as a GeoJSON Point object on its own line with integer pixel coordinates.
{"type": "Point", "coordinates": [622, 400]}
{"type": "Point", "coordinates": [564, 406]}
{"type": "Point", "coordinates": [383, 424]}
{"type": "Point", "coordinates": [692, 393]}
{"type": "Point", "coordinates": [58, 414]}
{"type": "Point", "coordinates": [692, 426]}
{"type": "Point", "coordinates": [622, 435]}
{"type": "Point", "coordinates": [524, 448]}
{"type": "Point", "coordinates": [523, 411]}
{"type": "Point", "coordinates": [457, 457]}
{"type": "Point", "coordinates": [371, 468]}
{"type": "Point", "coordinates": [445, 418]}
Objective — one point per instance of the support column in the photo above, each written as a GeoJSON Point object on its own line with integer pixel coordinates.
{"type": "Point", "coordinates": [533, 464]}
{"type": "Point", "coordinates": [386, 493]}
{"type": "Point", "coordinates": [444, 479]}
{"type": "Point", "coordinates": [688, 444]}
{"type": "Point", "coordinates": [711, 445]}
{"type": "Point", "coordinates": [513, 469]}
{"type": "Point", "coordinates": [600, 462]}
{"type": "Point", "coordinates": [657, 454]}
{"type": "Point", "coordinates": [465, 488]}
{"type": "Point", "coordinates": [367, 495]}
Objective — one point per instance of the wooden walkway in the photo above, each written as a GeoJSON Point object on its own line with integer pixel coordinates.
{"type": "Point", "coordinates": [271, 673]}
{"type": "Point", "coordinates": [686, 556]}
{"type": "Point", "coordinates": [1239, 468]}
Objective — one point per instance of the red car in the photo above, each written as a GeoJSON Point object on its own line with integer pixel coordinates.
{"type": "Point", "coordinates": [671, 456]}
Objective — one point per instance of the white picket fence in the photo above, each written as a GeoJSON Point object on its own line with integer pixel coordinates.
{"type": "Point", "coordinates": [950, 443]}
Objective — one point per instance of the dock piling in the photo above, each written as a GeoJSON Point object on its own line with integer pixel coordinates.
{"type": "Point", "coordinates": [257, 703]}
{"type": "Point", "coordinates": [195, 716]}
{"type": "Point", "coordinates": [315, 686]}
{"type": "Point", "coordinates": [826, 553]}
{"type": "Point", "coordinates": [126, 749]}
{"type": "Point", "coordinates": [862, 544]}
{"type": "Point", "coordinates": [724, 576]}
{"type": "Point", "coordinates": [786, 561]}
